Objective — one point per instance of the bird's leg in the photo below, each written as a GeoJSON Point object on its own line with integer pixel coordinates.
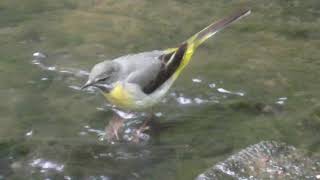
{"type": "Point", "coordinates": [139, 133]}
{"type": "Point", "coordinates": [113, 127]}
{"type": "Point", "coordinates": [145, 123]}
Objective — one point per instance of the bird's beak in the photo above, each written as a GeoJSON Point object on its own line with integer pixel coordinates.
{"type": "Point", "coordinates": [104, 87]}
{"type": "Point", "coordinates": [87, 84]}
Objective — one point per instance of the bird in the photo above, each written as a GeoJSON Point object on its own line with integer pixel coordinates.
{"type": "Point", "coordinates": [139, 81]}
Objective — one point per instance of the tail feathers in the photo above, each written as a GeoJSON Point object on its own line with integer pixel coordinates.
{"type": "Point", "coordinates": [212, 29]}
{"type": "Point", "coordinates": [175, 59]}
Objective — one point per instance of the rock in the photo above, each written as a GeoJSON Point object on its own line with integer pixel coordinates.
{"type": "Point", "coordinates": [265, 160]}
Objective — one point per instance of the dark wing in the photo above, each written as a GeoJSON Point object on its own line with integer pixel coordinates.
{"type": "Point", "coordinates": [169, 65]}
{"type": "Point", "coordinates": [151, 72]}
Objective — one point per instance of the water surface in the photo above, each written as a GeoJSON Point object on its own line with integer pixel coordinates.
{"type": "Point", "coordinates": [257, 80]}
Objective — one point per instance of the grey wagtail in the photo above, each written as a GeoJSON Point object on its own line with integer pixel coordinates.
{"type": "Point", "coordinates": [139, 81]}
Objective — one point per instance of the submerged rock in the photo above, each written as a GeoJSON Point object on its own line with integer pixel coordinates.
{"type": "Point", "coordinates": [265, 160]}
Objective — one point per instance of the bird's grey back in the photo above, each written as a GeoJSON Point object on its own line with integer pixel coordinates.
{"type": "Point", "coordinates": [141, 68]}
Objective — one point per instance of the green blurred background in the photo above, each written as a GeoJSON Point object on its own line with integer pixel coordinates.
{"type": "Point", "coordinates": [272, 56]}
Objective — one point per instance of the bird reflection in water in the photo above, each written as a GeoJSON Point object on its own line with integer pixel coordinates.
{"type": "Point", "coordinates": [124, 129]}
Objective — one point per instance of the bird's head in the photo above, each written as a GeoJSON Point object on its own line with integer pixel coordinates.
{"type": "Point", "coordinates": [102, 76]}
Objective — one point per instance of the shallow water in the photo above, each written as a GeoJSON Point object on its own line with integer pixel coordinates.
{"type": "Point", "coordinates": [256, 80]}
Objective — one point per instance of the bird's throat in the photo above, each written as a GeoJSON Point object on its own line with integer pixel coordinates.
{"type": "Point", "coordinates": [119, 96]}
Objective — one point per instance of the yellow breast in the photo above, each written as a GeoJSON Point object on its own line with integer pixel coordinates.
{"type": "Point", "coordinates": [120, 97]}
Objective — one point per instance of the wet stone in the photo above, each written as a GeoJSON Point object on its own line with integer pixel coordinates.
{"type": "Point", "coordinates": [265, 160]}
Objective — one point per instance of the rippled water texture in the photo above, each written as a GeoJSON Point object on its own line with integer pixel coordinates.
{"type": "Point", "coordinates": [257, 80]}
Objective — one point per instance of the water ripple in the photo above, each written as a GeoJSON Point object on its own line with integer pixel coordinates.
{"type": "Point", "coordinates": [196, 80]}
{"type": "Point", "coordinates": [184, 100]}
{"type": "Point", "coordinates": [46, 165]}
{"type": "Point", "coordinates": [281, 100]}
{"type": "Point", "coordinates": [40, 61]}
{"type": "Point", "coordinates": [222, 90]}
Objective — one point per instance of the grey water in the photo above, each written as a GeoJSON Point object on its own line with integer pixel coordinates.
{"type": "Point", "coordinates": [256, 80]}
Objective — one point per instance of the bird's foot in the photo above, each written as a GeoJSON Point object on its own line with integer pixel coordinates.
{"type": "Point", "coordinates": [139, 134]}
{"type": "Point", "coordinates": [113, 129]}
{"type": "Point", "coordinates": [138, 137]}
{"type": "Point", "coordinates": [118, 129]}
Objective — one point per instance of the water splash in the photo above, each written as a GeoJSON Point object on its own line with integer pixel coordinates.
{"type": "Point", "coordinates": [196, 80]}
{"type": "Point", "coordinates": [39, 59]}
{"type": "Point", "coordinates": [200, 100]}
{"type": "Point", "coordinates": [30, 133]}
{"type": "Point", "coordinates": [212, 85]}
{"type": "Point", "coordinates": [46, 165]}
{"type": "Point", "coordinates": [158, 114]}
{"type": "Point", "coordinates": [281, 100]}
{"type": "Point", "coordinates": [101, 134]}
{"type": "Point", "coordinates": [39, 55]}
{"type": "Point", "coordinates": [222, 90]}
{"type": "Point", "coordinates": [67, 177]}
{"type": "Point", "coordinates": [184, 100]}
{"type": "Point", "coordinates": [78, 88]}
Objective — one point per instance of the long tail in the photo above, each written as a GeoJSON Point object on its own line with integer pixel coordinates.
{"type": "Point", "coordinates": [176, 59]}
{"type": "Point", "coordinates": [215, 27]}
